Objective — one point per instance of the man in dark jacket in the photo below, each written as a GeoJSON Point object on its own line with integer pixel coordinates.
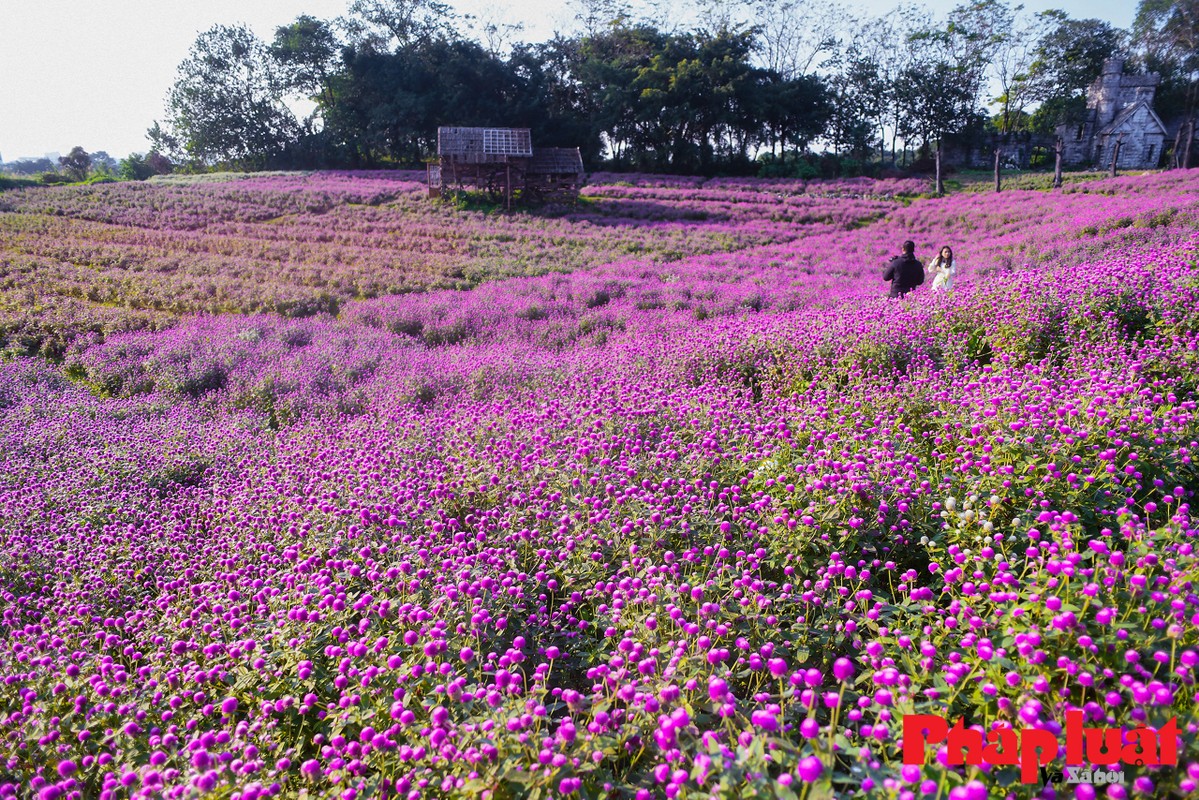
{"type": "Point", "coordinates": [904, 272]}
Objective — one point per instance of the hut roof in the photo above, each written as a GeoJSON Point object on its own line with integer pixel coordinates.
{"type": "Point", "coordinates": [480, 142]}
{"type": "Point", "coordinates": [556, 160]}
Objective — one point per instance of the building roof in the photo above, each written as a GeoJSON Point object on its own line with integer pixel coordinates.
{"type": "Point", "coordinates": [477, 143]}
{"type": "Point", "coordinates": [1134, 81]}
{"type": "Point", "coordinates": [1125, 116]}
{"type": "Point", "coordinates": [556, 160]}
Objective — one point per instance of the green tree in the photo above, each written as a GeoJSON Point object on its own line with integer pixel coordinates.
{"type": "Point", "coordinates": [30, 166]}
{"type": "Point", "coordinates": [138, 167]}
{"type": "Point", "coordinates": [1015, 54]}
{"type": "Point", "coordinates": [687, 95]}
{"type": "Point", "coordinates": [76, 164]}
{"type": "Point", "coordinates": [307, 52]}
{"type": "Point", "coordinates": [381, 25]}
{"type": "Point", "coordinates": [1070, 53]}
{"type": "Point", "coordinates": [550, 100]}
{"type": "Point", "coordinates": [1165, 35]}
{"type": "Point", "coordinates": [793, 112]}
{"type": "Point", "coordinates": [388, 106]}
{"type": "Point", "coordinates": [227, 103]}
{"type": "Point", "coordinates": [605, 66]}
{"type": "Point", "coordinates": [858, 94]}
{"type": "Point", "coordinates": [133, 167]}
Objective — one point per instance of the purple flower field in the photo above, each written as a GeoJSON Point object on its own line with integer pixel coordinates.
{"type": "Point", "coordinates": [313, 488]}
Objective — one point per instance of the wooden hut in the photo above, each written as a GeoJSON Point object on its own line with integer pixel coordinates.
{"type": "Point", "coordinates": [554, 173]}
{"type": "Point", "coordinates": [503, 163]}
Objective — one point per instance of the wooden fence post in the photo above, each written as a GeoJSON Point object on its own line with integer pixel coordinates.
{"type": "Point", "coordinates": [1186, 154]}
{"type": "Point", "coordinates": [940, 182]}
{"type": "Point", "coordinates": [1057, 163]}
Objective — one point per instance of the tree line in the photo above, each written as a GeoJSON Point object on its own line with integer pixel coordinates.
{"type": "Point", "coordinates": [755, 86]}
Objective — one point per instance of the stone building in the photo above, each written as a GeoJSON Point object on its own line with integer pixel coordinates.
{"type": "Point", "coordinates": [1119, 108]}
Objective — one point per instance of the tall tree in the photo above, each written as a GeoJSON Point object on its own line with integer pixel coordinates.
{"type": "Point", "coordinates": [307, 53]}
{"type": "Point", "coordinates": [857, 95]}
{"type": "Point", "coordinates": [1015, 55]}
{"type": "Point", "coordinates": [606, 65]}
{"type": "Point", "coordinates": [388, 106]}
{"type": "Point", "coordinates": [793, 112]}
{"type": "Point", "coordinates": [1167, 32]}
{"type": "Point", "coordinates": [1069, 55]}
{"type": "Point", "coordinates": [76, 163]}
{"type": "Point", "coordinates": [227, 102]}
{"type": "Point", "coordinates": [383, 24]}
{"type": "Point", "coordinates": [903, 43]}
{"type": "Point", "coordinates": [1166, 36]}
{"type": "Point", "coordinates": [796, 38]}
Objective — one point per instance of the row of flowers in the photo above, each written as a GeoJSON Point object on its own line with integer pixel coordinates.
{"type": "Point", "coordinates": [583, 543]}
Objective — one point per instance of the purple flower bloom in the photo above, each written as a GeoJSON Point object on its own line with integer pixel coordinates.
{"type": "Point", "coordinates": [810, 769]}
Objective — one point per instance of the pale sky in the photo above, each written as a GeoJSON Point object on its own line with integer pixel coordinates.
{"type": "Point", "coordinates": [96, 72]}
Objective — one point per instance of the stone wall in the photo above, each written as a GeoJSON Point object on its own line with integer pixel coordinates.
{"type": "Point", "coordinates": [1019, 150]}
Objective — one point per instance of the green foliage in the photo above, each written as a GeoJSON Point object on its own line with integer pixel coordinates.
{"type": "Point", "coordinates": [77, 164]}
{"type": "Point", "coordinates": [15, 182]}
{"type": "Point", "coordinates": [136, 167]}
{"type": "Point", "coordinates": [1068, 58]}
{"type": "Point", "coordinates": [1165, 37]}
{"type": "Point", "coordinates": [226, 105]}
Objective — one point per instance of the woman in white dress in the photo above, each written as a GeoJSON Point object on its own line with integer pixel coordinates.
{"type": "Point", "coordinates": [942, 270]}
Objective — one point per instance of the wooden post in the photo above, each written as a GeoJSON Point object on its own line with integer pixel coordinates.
{"type": "Point", "coordinates": [1186, 154]}
{"type": "Point", "coordinates": [940, 182]}
{"type": "Point", "coordinates": [1176, 156]}
{"type": "Point", "coordinates": [1116, 153]}
{"type": "Point", "coordinates": [1058, 146]}
{"type": "Point", "coordinates": [508, 185]}
{"type": "Point", "coordinates": [998, 153]}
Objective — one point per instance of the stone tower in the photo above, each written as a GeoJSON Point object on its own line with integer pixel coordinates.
{"type": "Point", "coordinates": [1119, 109]}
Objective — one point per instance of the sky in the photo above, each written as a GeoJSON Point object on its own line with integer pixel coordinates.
{"type": "Point", "coordinates": [95, 73]}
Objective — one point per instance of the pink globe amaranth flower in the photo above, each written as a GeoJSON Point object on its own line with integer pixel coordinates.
{"type": "Point", "coordinates": [764, 720]}
{"type": "Point", "coordinates": [552, 652]}
{"type": "Point", "coordinates": [843, 669]}
{"type": "Point", "coordinates": [66, 767]}
{"type": "Point", "coordinates": [229, 705]}
{"type": "Point", "coordinates": [718, 689]}
{"type": "Point", "coordinates": [810, 769]}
